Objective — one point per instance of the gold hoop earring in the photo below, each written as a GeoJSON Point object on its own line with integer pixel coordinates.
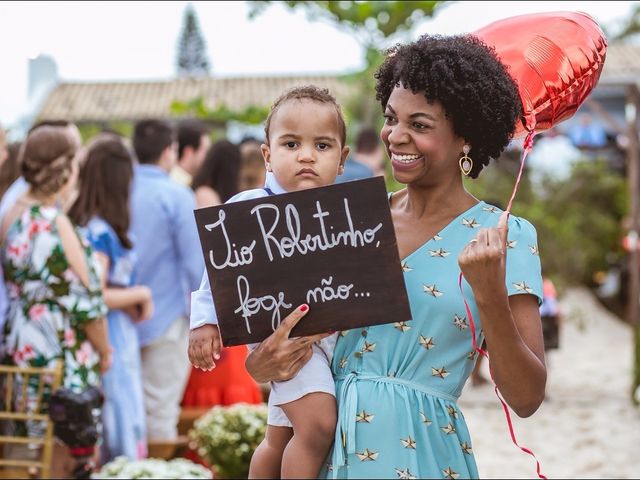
{"type": "Point", "coordinates": [466, 164]}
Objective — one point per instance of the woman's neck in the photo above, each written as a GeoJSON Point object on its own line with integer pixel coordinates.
{"type": "Point", "coordinates": [449, 200]}
{"type": "Point", "coordinates": [38, 198]}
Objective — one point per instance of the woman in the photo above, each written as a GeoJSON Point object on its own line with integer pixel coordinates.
{"type": "Point", "coordinates": [56, 308]}
{"type": "Point", "coordinates": [217, 179]}
{"type": "Point", "coordinates": [102, 207]}
{"type": "Point", "coordinates": [449, 106]}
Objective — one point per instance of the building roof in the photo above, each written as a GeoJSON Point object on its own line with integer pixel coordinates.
{"type": "Point", "coordinates": [131, 101]}
{"type": "Point", "coordinates": [621, 65]}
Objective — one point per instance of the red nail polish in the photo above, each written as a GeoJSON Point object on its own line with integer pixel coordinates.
{"type": "Point", "coordinates": [304, 308]}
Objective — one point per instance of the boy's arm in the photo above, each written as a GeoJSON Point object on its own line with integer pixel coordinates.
{"type": "Point", "coordinates": [204, 337]}
{"type": "Point", "coordinates": [203, 311]}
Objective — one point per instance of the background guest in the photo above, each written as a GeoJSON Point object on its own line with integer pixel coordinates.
{"type": "Point", "coordinates": [56, 311]}
{"type": "Point", "coordinates": [217, 179]}
{"type": "Point", "coordinates": [170, 263]}
{"type": "Point", "coordinates": [193, 144]}
{"type": "Point", "coordinates": [102, 207]}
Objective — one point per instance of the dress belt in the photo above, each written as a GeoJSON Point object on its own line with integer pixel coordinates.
{"type": "Point", "coordinates": [345, 439]}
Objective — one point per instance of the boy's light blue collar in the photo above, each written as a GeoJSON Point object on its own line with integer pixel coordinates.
{"type": "Point", "coordinates": [272, 184]}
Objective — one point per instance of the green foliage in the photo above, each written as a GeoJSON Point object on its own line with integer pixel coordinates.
{"type": "Point", "coordinates": [252, 115]}
{"type": "Point", "coordinates": [371, 22]}
{"type": "Point", "coordinates": [192, 56]}
{"type": "Point", "coordinates": [90, 130]}
{"type": "Point", "coordinates": [578, 220]}
{"type": "Point", "coordinates": [631, 25]}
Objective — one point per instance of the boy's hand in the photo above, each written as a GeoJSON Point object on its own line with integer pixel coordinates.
{"type": "Point", "coordinates": [204, 346]}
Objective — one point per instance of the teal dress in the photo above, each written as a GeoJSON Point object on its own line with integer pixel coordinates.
{"type": "Point", "coordinates": [397, 384]}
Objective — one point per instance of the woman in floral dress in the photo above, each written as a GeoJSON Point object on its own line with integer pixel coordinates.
{"type": "Point", "coordinates": [102, 208]}
{"type": "Point", "coordinates": [449, 107]}
{"type": "Point", "coordinates": [56, 308]}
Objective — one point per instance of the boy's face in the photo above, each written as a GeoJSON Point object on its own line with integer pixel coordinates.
{"type": "Point", "coordinates": [305, 149]}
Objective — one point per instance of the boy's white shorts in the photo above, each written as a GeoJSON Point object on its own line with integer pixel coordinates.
{"type": "Point", "coordinates": [314, 376]}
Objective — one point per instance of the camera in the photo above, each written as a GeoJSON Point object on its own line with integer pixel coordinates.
{"type": "Point", "coordinates": [75, 417]}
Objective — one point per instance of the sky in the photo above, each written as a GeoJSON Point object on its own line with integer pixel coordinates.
{"type": "Point", "coordinates": [105, 41]}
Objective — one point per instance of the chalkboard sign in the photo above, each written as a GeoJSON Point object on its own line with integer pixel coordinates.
{"type": "Point", "coordinates": [333, 248]}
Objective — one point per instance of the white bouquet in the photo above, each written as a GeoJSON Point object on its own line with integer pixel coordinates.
{"type": "Point", "coordinates": [122, 467]}
{"type": "Point", "coordinates": [227, 437]}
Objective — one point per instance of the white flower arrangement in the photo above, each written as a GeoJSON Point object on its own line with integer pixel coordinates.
{"type": "Point", "coordinates": [123, 467]}
{"type": "Point", "coordinates": [227, 437]}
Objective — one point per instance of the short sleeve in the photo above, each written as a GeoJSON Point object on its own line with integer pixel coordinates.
{"type": "Point", "coordinates": [524, 273]}
{"type": "Point", "coordinates": [101, 238]}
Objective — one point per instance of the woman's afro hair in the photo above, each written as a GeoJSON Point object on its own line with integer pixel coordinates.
{"type": "Point", "coordinates": [474, 88]}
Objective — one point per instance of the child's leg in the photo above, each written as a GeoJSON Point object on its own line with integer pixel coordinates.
{"type": "Point", "coordinates": [267, 458]}
{"type": "Point", "coordinates": [314, 419]}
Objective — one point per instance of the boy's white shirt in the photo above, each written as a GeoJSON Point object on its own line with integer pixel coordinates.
{"type": "Point", "coordinates": [203, 310]}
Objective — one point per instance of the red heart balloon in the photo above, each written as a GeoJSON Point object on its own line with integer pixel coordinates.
{"type": "Point", "coordinates": [556, 59]}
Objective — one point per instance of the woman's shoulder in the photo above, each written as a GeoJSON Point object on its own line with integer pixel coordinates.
{"type": "Point", "coordinates": [515, 223]}
{"type": "Point", "coordinates": [98, 227]}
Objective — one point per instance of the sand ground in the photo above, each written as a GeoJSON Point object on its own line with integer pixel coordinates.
{"type": "Point", "coordinates": [588, 427]}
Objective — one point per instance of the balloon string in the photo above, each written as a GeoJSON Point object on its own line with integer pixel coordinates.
{"type": "Point", "coordinates": [528, 145]}
{"type": "Point", "coordinates": [484, 353]}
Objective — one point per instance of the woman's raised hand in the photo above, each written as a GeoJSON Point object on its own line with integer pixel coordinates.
{"type": "Point", "coordinates": [278, 357]}
{"type": "Point", "coordinates": [483, 260]}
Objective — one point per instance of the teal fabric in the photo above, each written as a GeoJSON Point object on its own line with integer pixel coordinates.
{"type": "Point", "coordinates": [397, 384]}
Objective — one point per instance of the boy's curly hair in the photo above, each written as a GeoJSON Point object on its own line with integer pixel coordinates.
{"type": "Point", "coordinates": [461, 72]}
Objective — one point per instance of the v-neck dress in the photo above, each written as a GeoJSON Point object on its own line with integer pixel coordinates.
{"type": "Point", "coordinates": [397, 384]}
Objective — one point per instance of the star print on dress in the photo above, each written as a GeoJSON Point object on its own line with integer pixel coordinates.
{"type": "Point", "coordinates": [406, 267]}
{"type": "Point", "coordinates": [343, 362]}
{"type": "Point", "coordinates": [449, 473]}
{"type": "Point", "coordinates": [425, 419]}
{"type": "Point", "coordinates": [329, 467]}
{"type": "Point", "coordinates": [449, 429]}
{"type": "Point", "coordinates": [466, 448]}
{"type": "Point", "coordinates": [408, 442]}
{"type": "Point", "coordinates": [471, 355]}
{"type": "Point", "coordinates": [364, 417]}
{"type": "Point", "coordinates": [470, 222]}
{"type": "Point", "coordinates": [402, 326]}
{"type": "Point", "coordinates": [405, 474]}
{"type": "Point", "coordinates": [534, 249]}
{"type": "Point", "coordinates": [439, 372]}
{"type": "Point", "coordinates": [523, 287]}
{"type": "Point", "coordinates": [432, 290]}
{"type": "Point", "coordinates": [460, 322]}
{"type": "Point", "coordinates": [368, 347]}
{"type": "Point", "coordinates": [343, 333]}
{"type": "Point", "coordinates": [436, 237]}
{"type": "Point", "coordinates": [441, 252]}
{"type": "Point", "coordinates": [490, 208]}
{"type": "Point", "coordinates": [427, 342]}
{"type": "Point", "coordinates": [512, 243]}
{"type": "Point", "coordinates": [452, 411]}
{"type": "Point", "coordinates": [367, 455]}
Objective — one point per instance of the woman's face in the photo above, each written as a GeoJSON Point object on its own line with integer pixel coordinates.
{"type": "Point", "coordinates": [420, 141]}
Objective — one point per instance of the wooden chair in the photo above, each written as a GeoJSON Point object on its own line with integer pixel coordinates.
{"type": "Point", "coordinates": [13, 410]}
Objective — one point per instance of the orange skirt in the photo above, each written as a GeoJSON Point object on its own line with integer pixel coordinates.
{"type": "Point", "coordinates": [226, 384]}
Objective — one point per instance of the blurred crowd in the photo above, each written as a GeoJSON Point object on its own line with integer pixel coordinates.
{"type": "Point", "coordinates": [100, 252]}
